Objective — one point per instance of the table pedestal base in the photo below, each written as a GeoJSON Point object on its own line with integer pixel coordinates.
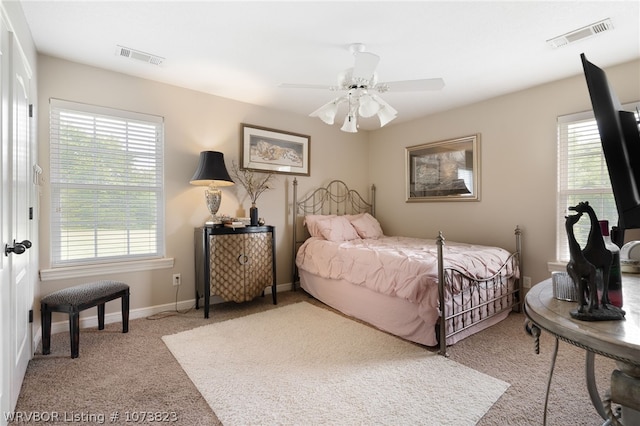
{"type": "Point", "coordinates": [625, 390]}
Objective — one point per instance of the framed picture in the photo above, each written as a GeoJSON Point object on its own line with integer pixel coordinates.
{"type": "Point", "coordinates": [444, 171]}
{"type": "Point", "coordinates": [270, 150]}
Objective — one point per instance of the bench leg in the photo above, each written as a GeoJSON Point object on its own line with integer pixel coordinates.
{"type": "Point", "coordinates": [74, 330]}
{"type": "Point", "coordinates": [101, 316]}
{"type": "Point", "coordinates": [45, 319]}
{"type": "Point", "coordinates": [125, 312]}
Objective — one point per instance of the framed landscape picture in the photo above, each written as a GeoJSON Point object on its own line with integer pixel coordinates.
{"type": "Point", "coordinates": [270, 150]}
{"type": "Point", "coordinates": [444, 171]}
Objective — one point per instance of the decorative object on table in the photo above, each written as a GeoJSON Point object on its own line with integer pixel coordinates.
{"type": "Point", "coordinates": [595, 251]}
{"type": "Point", "coordinates": [614, 284]}
{"type": "Point", "coordinates": [234, 224]}
{"type": "Point", "coordinates": [444, 171]}
{"type": "Point", "coordinates": [270, 150]}
{"type": "Point", "coordinates": [588, 277]}
{"type": "Point", "coordinates": [563, 287]}
{"type": "Point", "coordinates": [255, 184]}
{"type": "Point", "coordinates": [580, 270]}
{"type": "Point", "coordinates": [630, 260]}
{"type": "Point", "coordinates": [253, 214]}
{"type": "Point", "coordinates": [213, 173]}
{"type": "Point", "coordinates": [604, 255]}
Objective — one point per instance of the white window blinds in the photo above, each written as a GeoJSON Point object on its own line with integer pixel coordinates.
{"type": "Point", "coordinates": [582, 176]}
{"type": "Point", "coordinates": [106, 184]}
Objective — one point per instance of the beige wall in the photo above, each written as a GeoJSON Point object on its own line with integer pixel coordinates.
{"type": "Point", "coordinates": [518, 167]}
{"type": "Point", "coordinates": [193, 122]}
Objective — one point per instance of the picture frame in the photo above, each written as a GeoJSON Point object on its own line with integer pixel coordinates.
{"type": "Point", "coordinates": [447, 170]}
{"type": "Point", "coordinates": [275, 151]}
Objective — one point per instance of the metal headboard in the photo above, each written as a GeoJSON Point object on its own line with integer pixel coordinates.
{"type": "Point", "coordinates": [334, 198]}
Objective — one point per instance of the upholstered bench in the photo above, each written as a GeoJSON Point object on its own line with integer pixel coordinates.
{"type": "Point", "coordinates": [72, 300]}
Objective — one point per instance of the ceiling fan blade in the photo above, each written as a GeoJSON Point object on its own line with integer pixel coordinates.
{"type": "Point", "coordinates": [306, 86]}
{"type": "Point", "coordinates": [365, 65]}
{"type": "Point", "coordinates": [411, 85]}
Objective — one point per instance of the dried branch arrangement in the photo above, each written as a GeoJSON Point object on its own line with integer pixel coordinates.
{"type": "Point", "coordinates": [253, 182]}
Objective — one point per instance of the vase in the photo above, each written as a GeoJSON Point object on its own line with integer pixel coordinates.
{"type": "Point", "coordinates": [253, 214]}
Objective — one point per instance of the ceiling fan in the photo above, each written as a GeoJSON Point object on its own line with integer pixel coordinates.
{"type": "Point", "coordinates": [360, 82]}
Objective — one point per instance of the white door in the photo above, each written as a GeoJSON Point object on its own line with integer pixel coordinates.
{"type": "Point", "coordinates": [16, 289]}
{"type": "Point", "coordinates": [5, 232]}
{"type": "Point", "coordinates": [21, 288]}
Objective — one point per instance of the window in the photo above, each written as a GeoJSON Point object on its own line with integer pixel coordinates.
{"type": "Point", "coordinates": [582, 176]}
{"type": "Point", "coordinates": [106, 185]}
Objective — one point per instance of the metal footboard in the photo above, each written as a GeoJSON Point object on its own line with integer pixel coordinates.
{"type": "Point", "coordinates": [473, 300]}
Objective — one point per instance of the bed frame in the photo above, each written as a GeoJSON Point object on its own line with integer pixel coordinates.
{"type": "Point", "coordinates": [486, 298]}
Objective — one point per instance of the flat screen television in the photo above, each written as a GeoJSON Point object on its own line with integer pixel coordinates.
{"type": "Point", "coordinates": [620, 139]}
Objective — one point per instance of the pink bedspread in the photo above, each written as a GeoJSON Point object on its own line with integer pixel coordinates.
{"type": "Point", "coordinates": [397, 266]}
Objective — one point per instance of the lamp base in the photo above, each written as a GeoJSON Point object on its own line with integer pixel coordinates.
{"type": "Point", "coordinates": [213, 196]}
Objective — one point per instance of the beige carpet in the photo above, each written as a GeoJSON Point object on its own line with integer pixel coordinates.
{"type": "Point", "coordinates": [136, 372]}
{"type": "Point", "coordinates": [301, 364]}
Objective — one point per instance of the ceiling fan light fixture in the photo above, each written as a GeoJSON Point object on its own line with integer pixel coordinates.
{"type": "Point", "coordinates": [361, 84]}
{"type": "Point", "coordinates": [368, 106]}
{"type": "Point", "coordinates": [386, 115]}
{"type": "Point", "coordinates": [327, 112]}
{"type": "Point", "coordinates": [350, 124]}
{"type": "Point", "coordinates": [328, 116]}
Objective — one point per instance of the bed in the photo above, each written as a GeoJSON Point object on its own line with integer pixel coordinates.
{"type": "Point", "coordinates": [397, 284]}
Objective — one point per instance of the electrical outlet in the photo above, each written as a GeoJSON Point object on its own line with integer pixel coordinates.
{"type": "Point", "coordinates": [526, 283]}
{"type": "Point", "coordinates": [177, 280]}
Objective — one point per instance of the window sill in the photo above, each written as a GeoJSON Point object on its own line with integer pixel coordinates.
{"type": "Point", "coordinates": [557, 266]}
{"type": "Point", "coordinates": [106, 268]}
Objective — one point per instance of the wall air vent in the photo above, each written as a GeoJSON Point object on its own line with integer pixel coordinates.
{"type": "Point", "coordinates": [127, 52]}
{"type": "Point", "coordinates": [581, 33]}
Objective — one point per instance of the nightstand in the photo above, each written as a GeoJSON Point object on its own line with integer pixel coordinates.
{"type": "Point", "coordinates": [236, 264]}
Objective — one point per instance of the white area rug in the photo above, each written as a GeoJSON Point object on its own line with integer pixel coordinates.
{"type": "Point", "coordinates": [304, 365]}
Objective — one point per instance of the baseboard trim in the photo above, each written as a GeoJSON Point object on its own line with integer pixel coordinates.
{"type": "Point", "coordinates": [92, 321]}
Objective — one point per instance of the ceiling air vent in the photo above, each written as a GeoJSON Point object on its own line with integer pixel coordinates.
{"type": "Point", "coordinates": [582, 33]}
{"type": "Point", "coordinates": [127, 52]}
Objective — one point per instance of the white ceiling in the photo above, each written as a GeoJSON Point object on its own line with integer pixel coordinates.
{"type": "Point", "coordinates": [244, 50]}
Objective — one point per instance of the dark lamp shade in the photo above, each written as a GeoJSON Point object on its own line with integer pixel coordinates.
{"type": "Point", "coordinates": [211, 170]}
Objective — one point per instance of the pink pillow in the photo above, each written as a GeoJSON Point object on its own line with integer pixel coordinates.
{"type": "Point", "coordinates": [311, 221]}
{"type": "Point", "coordinates": [353, 217]}
{"type": "Point", "coordinates": [367, 226]}
{"type": "Point", "coordinates": [337, 229]}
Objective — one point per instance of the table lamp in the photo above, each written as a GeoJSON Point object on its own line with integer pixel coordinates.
{"type": "Point", "coordinates": [212, 172]}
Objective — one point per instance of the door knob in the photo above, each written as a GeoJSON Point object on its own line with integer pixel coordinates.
{"type": "Point", "coordinates": [17, 248]}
